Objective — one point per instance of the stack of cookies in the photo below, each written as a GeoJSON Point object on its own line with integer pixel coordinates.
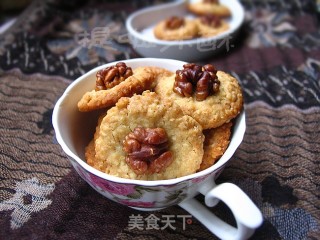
{"type": "Point", "coordinates": [208, 20]}
{"type": "Point", "coordinates": [156, 124]}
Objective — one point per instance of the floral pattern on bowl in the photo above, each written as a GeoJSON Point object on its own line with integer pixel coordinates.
{"type": "Point", "coordinates": [146, 197]}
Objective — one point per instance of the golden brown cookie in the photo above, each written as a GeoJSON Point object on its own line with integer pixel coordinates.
{"type": "Point", "coordinates": [210, 25]}
{"type": "Point", "coordinates": [90, 151]}
{"type": "Point", "coordinates": [216, 109]}
{"type": "Point", "coordinates": [215, 144]}
{"type": "Point", "coordinates": [143, 78]}
{"type": "Point", "coordinates": [176, 28]}
{"type": "Point", "coordinates": [159, 73]}
{"type": "Point", "coordinates": [184, 137]}
{"type": "Point", "coordinates": [204, 7]}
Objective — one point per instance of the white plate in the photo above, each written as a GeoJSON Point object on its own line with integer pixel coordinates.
{"type": "Point", "coordinates": [140, 26]}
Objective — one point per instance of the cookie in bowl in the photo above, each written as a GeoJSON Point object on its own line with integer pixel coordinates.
{"type": "Point", "coordinates": [215, 144]}
{"type": "Point", "coordinates": [176, 28]}
{"type": "Point", "coordinates": [118, 81]}
{"type": "Point", "coordinates": [90, 152]}
{"type": "Point", "coordinates": [147, 138]}
{"type": "Point", "coordinates": [211, 97]}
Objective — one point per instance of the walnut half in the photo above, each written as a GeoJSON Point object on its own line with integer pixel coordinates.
{"type": "Point", "coordinates": [147, 150]}
{"type": "Point", "coordinates": [211, 20]}
{"type": "Point", "coordinates": [211, 1]}
{"type": "Point", "coordinates": [112, 76]}
{"type": "Point", "coordinates": [193, 78]}
{"type": "Point", "coordinates": [174, 22]}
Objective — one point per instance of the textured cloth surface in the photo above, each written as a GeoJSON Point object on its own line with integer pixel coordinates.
{"type": "Point", "coordinates": [276, 58]}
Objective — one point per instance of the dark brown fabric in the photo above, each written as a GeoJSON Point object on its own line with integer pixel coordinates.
{"type": "Point", "coordinates": [276, 58]}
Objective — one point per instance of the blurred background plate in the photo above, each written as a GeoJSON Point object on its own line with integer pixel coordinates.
{"type": "Point", "coordinates": [140, 26]}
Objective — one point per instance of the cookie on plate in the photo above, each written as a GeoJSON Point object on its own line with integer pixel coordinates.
{"type": "Point", "coordinates": [176, 28]}
{"type": "Point", "coordinates": [147, 138]}
{"type": "Point", "coordinates": [204, 7]}
{"type": "Point", "coordinates": [211, 25]}
{"type": "Point", "coordinates": [118, 81]}
{"type": "Point", "coordinates": [215, 144]}
{"type": "Point", "coordinates": [209, 96]}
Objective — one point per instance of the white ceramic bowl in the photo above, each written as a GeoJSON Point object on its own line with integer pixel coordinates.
{"type": "Point", "coordinates": [75, 129]}
{"type": "Point", "coordinates": [140, 26]}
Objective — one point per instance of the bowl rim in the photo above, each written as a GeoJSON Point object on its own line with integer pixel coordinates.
{"type": "Point", "coordinates": [240, 126]}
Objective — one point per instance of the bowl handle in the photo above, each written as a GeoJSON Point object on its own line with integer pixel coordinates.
{"type": "Point", "coordinates": [245, 212]}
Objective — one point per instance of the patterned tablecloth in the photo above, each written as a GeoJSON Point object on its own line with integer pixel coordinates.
{"type": "Point", "coordinates": [276, 58]}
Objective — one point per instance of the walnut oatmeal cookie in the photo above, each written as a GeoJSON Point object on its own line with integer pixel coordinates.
{"type": "Point", "coordinates": [210, 111]}
{"type": "Point", "coordinates": [211, 25]}
{"type": "Point", "coordinates": [183, 138]}
{"type": "Point", "coordinates": [142, 78]}
{"type": "Point", "coordinates": [215, 144]}
{"type": "Point", "coordinates": [90, 151]}
{"type": "Point", "coordinates": [204, 7]}
{"type": "Point", "coordinates": [176, 28]}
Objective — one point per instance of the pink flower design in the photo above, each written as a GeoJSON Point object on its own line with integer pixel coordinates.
{"type": "Point", "coordinates": [218, 172]}
{"type": "Point", "coordinates": [199, 179]}
{"type": "Point", "coordinates": [137, 204]}
{"type": "Point", "coordinates": [81, 172]}
{"type": "Point", "coordinates": [116, 188]}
